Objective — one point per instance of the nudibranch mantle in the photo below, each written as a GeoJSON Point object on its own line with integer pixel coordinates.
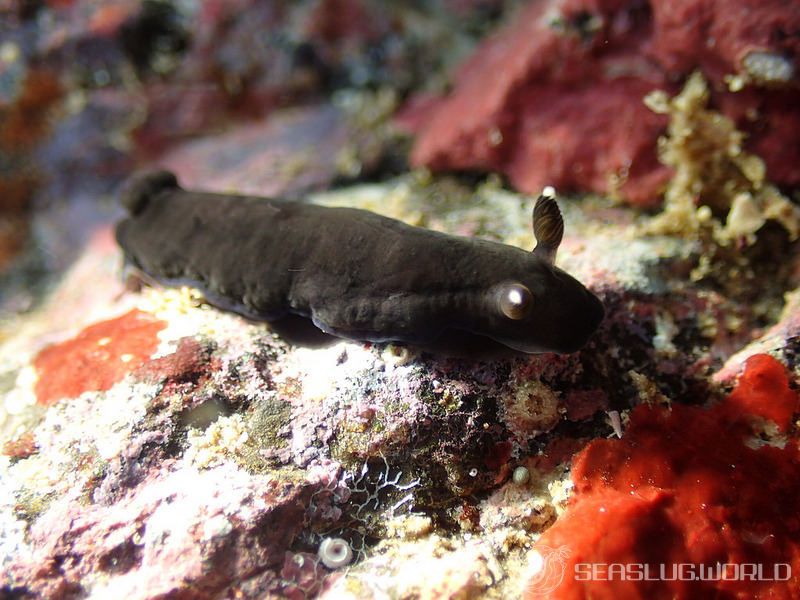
{"type": "Point", "coordinates": [356, 274]}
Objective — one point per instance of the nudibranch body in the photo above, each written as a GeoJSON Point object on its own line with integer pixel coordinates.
{"type": "Point", "coordinates": [356, 274]}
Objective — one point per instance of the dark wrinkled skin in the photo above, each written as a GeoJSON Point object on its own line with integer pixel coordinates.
{"type": "Point", "coordinates": [354, 273]}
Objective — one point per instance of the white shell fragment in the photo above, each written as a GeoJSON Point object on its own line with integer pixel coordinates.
{"type": "Point", "coordinates": [521, 476]}
{"type": "Point", "coordinates": [768, 67]}
{"type": "Point", "coordinates": [335, 553]}
{"type": "Point", "coordinates": [616, 422]}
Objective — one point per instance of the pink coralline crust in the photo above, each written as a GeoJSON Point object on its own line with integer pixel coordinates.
{"type": "Point", "coordinates": [685, 353]}
{"type": "Point", "coordinates": [716, 35]}
{"type": "Point", "coordinates": [582, 404]}
{"type": "Point", "coordinates": [233, 537]}
{"type": "Point", "coordinates": [97, 358]}
{"type": "Point", "coordinates": [301, 575]}
{"type": "Point", "coordinates": [783, 335]}
{"type": "Point", "coordinates": [286, 153]}
{"type": "Point", "coordinates": [189, 362]}
{"type": "Point", "coordinates": [549, 367]}
{"type": "Point", "coordinates": [335, 20]}
{"type": "Point", "coordinates": [685, 476]}
{"type": "Point", "coordinates": [555, 146]}
{"type": "Point", "coordinates": [191, 108]}
{"type": "Point", "coordinates": [556, 96]}
{"type": "Point", "coordinates": [773, 134]}
{"type": "Point", "coordinates": [558, 451]}
{"type": "Point", "coordinates": [780, 154]}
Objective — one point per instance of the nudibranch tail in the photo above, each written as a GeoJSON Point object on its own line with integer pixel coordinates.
{"type": "Point", "coordinates": [140, 189]}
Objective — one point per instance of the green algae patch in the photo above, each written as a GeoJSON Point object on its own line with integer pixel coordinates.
{"type": "Point", "coordinates": [268, 435]}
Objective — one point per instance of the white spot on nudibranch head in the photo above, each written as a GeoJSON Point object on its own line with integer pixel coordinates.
{"type": "Point", "coordinates": [515, 301]}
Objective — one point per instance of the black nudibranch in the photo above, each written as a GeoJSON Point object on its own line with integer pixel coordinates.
{"type": "Point", "coordinates": [356, 274]}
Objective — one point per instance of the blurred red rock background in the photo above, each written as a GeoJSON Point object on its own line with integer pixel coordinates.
{"type": "Point", "coordinates": [555, 96]}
